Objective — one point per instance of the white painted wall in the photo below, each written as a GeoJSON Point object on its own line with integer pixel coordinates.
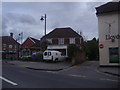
{"type": "Point", "coordinates": [103, 31]}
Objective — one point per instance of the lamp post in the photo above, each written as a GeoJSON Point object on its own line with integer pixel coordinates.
{"type": "Point", "coordinates": [44, 18]}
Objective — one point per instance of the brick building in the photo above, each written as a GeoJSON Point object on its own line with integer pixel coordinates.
{"type": "Point", "coordinates": [29, 46]}
{"type": "Point", "coordinates": [60, 38]}
{"type": "Point", "coordinates": [10, 47]}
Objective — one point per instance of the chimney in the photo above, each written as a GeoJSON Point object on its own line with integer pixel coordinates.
{"type": "Point", "coordinates": [11, 34]}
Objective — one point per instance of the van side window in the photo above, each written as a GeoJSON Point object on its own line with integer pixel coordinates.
{"type": "Point", "coordinates": [56, 54]}
{"type": "Point", "coordinates": [45, 53]}
{"type": "Point", "coordinates": [49, 53]}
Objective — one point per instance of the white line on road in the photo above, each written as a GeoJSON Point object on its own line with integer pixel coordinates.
{"type": "Point", "coordinates": [77, 75]}
{"type": "Point", "coordinates": [109, 80]}
{"type": "Point", "coordinates": [8, 81]}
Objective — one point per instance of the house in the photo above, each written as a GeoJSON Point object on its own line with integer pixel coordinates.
{"type": "Point", "coordinates": [60, 38]}
{"type": "Point", "coordinates": [109, 33]}
{"type": "Point", "coordinates": [10, 47]}
{"type": "Point", "coordinates": [29, 46]}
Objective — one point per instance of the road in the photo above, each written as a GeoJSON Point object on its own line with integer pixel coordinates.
{"type": "Point", "coordinates": [19, 77]}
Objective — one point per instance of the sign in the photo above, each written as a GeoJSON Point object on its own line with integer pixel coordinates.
{"type": "Point", "coordinates": [101, 46]}
{"type": "Point", "coordinates": [108, 37]}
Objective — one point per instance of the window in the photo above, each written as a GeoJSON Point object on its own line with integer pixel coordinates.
{"type": "Point", "coordinates": [49, 53]}
{"type": "Point", "coordinates": [72, 40]}
{"type": "Point", "coordinates": [15, 46]}
{"type": "Point", "coordinates": [49, 40]}
{"type": "Point", "coordinates": [4, 45]}
{"type": "Point", "coordinates": [61, 41]}
{"type": "Point", "coordinates": [10, 46]}
{"type": "Point", "coordinates": [4, 48]}
{"type": "Point", "coordinates": [114, 55]}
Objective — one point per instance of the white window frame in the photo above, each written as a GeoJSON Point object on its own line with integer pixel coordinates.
{"type": "Point", "coordinates": [49, 40]}
{"type": "Point", "coordinates": [4, 45]}
{"type": "Point", "coordinates": [72, 40]}
{"type": "Point", "coordinates": [4, 48]}
{"type": "Point", "coordinates": [61, 41]}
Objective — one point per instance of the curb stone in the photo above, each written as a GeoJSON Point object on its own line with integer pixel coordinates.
{"type": "Point", "coordinates": [28, 67]}
{"type": "Point", "coordinates": [47, 69]}
{"type": "Point", "coordinates": [112, 74]}
{"type": "Point", "coordinates": [108, 72]}
{"type": "Point", "coordinates": [44, 69]}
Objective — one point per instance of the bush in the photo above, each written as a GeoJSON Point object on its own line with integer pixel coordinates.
{"type": "Point", "coordinates": [72, 50]}
{"type": "Point", "coordinates": [92, 50]}
{"type": "Point", "coordinates": [75, 54]}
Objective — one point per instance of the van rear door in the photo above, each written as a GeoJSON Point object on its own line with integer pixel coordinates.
{"type": "Point", "coordinates": [47, 55]}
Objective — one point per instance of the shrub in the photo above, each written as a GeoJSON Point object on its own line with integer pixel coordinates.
{"type": "Point", "coordinates": [72, 50]}
{"type": "Point", "coordinates": [75, 54]}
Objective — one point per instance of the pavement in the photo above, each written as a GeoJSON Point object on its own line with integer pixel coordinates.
{"type": "Point", "coordinates": [59, 66]}
{"type": "Point", "coordinates": [47, 66]}
{"type": "Point", "coordinates": [113, 70]}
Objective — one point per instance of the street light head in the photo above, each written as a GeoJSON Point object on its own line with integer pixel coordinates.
{"type": "Point", "coordinates": [42, 18]}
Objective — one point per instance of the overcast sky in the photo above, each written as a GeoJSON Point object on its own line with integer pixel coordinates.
{"type": "Point", "coordinates": [25, 17]}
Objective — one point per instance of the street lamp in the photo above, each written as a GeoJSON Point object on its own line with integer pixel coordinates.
{"type": "Point", "coordinates": [44, 18]}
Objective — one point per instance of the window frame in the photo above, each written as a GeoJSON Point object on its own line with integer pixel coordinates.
{"type": "Point", "coordinates": [71, 40]}
{"type": "Point", "coordinates": [61, 41]}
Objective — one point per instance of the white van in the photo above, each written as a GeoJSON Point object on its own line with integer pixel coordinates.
{"type": "Point", "coordinates": [52, 55]}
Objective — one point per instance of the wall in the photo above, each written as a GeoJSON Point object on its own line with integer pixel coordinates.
{"type": "Point", "coordinates": [103, 31]}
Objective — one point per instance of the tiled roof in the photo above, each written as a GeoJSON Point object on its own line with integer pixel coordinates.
{"type": "Point", "coordinates": [32, 43]}
{"type": "Point", "coordinates": [35, 40]}
{"type": "Point", "coordinates": [108, 7]}
{"type": "Point", "coordinates": [8, 40]}
{"type": "Point", "coordinates": [62, 33]}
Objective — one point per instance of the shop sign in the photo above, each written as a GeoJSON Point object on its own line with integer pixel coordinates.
{"type": "Point", "coordinates": [108, 37]}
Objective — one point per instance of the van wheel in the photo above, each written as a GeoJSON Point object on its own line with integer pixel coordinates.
{"type": "Point", "coordinates": [56, 59]}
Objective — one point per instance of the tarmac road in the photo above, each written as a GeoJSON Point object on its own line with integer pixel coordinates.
{"type": "Point", "coordinates": [19, 77]}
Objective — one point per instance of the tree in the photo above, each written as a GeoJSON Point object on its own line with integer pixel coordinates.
{"type": "Point", "coordinates": [72, 50]}
{"type": "Point", "coordinates": [75, 54]}
{"type": "Point", "coordinates": [92, 49]}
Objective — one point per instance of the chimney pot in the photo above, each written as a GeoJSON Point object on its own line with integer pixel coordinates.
{"type": "Point", "coordinates": [11, 34]}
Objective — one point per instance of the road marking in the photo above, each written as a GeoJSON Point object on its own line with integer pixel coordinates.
{"type": "Point", "coordinates": [51, 72]}
{"type": "Point", "coordinates": [8, 81]}
{"type": "Point", "coordinates": [109, 80]}
{"type": "Point", "coordinates": [77, 75]}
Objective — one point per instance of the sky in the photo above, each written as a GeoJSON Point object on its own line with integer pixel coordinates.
{"type": "Point", "coordinates": [25, 17]}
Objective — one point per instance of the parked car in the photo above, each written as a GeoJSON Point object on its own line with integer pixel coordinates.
{"type": "Point", "coordinates": [52, 55]}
